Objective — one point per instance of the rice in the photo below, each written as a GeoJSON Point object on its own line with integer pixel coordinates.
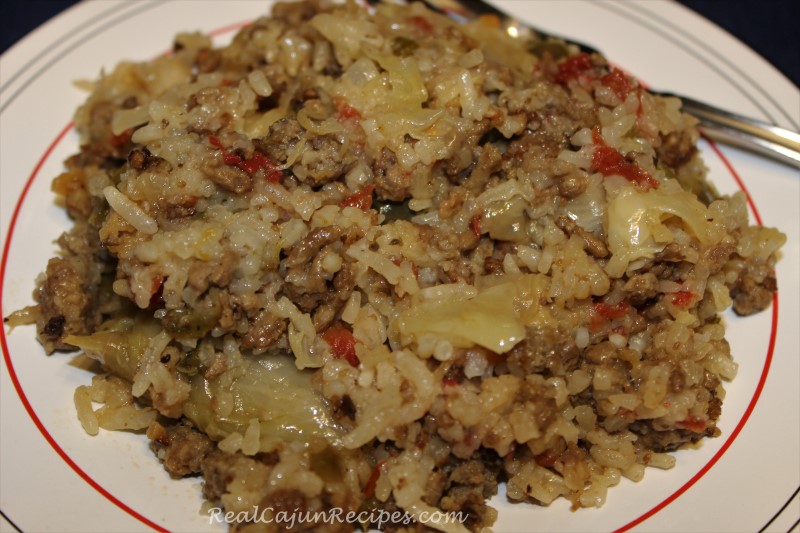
{"type": "Point", "coordinates": [384, 261]}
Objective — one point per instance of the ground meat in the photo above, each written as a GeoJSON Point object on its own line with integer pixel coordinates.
{"type": "Point", "coordinates": [546, 137]}
{"type": "Point", "coordinates": [677, 380]}
{"type": "Point", "coordinates": [714, 408]}
{"type": "Point", "coordinates": [230, 178]}
{"type": "Point", "coordinates": [217, 271]}
{"type": "Point", "coordinates": [469, 485]}
{"type": "Point", "coordinates": [264, 331]}
{"type": "Point", "coordinates": [671, 253]}
{"type": "Point", "coordinates": [544, 349]}
{"type": "Point", "coordinates": [308, 283]}
{"type": "Point", "coordinates": [181, 448]}
{"type": "Point", "coordinates": [207, 60]}
{"type": "Point", "coordinates": [489, 160]}
{"type": "Point", "coordinates": [669, 440]}
{"type": "Point", "coordinates": [342, 407]}
{"type": "Point", "coordinates": [287, 501]}
{"type": "Point", "coordinates": [391, 182]}
{"type": "Point", "coordinates": [573, 184]}
{"type": "Point", "coordinates": [322, 160]}
{"type": "Point", "coordinates": [238, 476]}
{"type": "Point", "coordinates": [220, 468]}
{"type": "Point", "coordinates": [493, 265]}
{"type": "Point", "coordinates": [749, 296]}
{"type": "Point", "coordinates": [142, 159]}
{"type": "Point", "coordinates": [179, 209]}
{"type": "Point", "coordinates": [283, 136]}
{"type": "Point", "coordinates": [676, 149]}
{"type": "Point", "coordinates": [641, 287]}
{"type": "Point", "coordinates": [69, 295]}
{"type": "Point", "coordinates": [593, 245]}
{"type": "Point", "coordinates": [303, 251]}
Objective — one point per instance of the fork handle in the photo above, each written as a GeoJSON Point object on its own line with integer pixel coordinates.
{"type": "Point", "coordinates": [744, 132]}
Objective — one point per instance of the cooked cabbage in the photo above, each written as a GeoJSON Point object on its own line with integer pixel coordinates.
{"type": "Point", "coordinates": [269, 389]}
{"type": "Point", "coordinates": [636, 223]}
{"type": "Point", "coordinates": [487, 319]}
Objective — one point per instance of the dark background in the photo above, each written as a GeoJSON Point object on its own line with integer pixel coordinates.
{"type": "Point", "coordinates": [770, 27]}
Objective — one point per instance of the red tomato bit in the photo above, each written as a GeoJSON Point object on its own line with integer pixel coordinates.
{"type": "Point", "coordinates": [345, 111]}
{"type": "Point", "coordinates": [475, 225]}
{"type": "Point", "coordinates": [342, 343]}
{"type": "Point", "coordinates": [682, 298]}
{"type": "Point", "coordinates": [369, 488]}
{"type": "Point", "coordinates": [692, 423]}
{"type": "Point", "coordinates": [547, 459]}
{"type": "Point", "coordinates": [617, 81]}
{"type": "Point", "coordinates": [251, 165]}
{"type": "Point", "coordinates": [573, 68]}
{"type": "Point", "coordinates": [118, 141]}
{"type": "Point", "coordinates": [215, 142]}
{"type": "Point", "coordinates": [611, 312]}
{"type": "Point", "coordinates": [361, 199]}
{"type": "Point", "coordinates": [421, 23]}
{"type": "Point", "coordinates": [603, 313]}
{"type": "Point", "coordinates": [608, 161]}
{"type": "Point", "coordinates": [156, 293]}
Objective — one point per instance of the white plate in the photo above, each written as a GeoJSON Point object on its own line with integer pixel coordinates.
{"type": "Point", "coordinates": [55, 478]}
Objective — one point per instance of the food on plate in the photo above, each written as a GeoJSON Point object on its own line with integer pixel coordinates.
{"type": "Point", "coordinates": [379, 262]}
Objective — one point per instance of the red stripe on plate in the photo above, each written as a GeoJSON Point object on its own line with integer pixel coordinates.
{"type": "Point", "coordinates": [10, 366]}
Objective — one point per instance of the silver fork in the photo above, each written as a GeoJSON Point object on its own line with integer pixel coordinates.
{"type": "Point", "coordinates": [719, 125]}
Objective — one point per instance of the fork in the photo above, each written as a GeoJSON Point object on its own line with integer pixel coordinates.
{"type": "Point", "coordinates": [759, 137]}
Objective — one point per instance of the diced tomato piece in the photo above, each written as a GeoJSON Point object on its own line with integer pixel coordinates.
{"type": "Point", "coordinates": [573, 68]}
{"type": "Point", "coordinates": [214, 141]}
{"type": "Point", "coordinates": [692, 423]}
{"type": "Point", "coordinates": [231, 159]}
{"type": "Point", "coordinates": [475, 225]}
{"type": "Point", "coordinates": [611, 312]}
{"type": "Point", "coordinates": [449, 382]}
{"type": "Point", "coordinates": [342, 343]}
{"type": "Point", "coordinates": [251, 165]}
{"type": "Point", "coordinates": [361, 199]}
{"type": "Point", "coordinates": [608, 161]}
{"type": "Point", "coordinates": [348, 112]}
{"type": "Point", "coordinates": [255, 162]}
{"type": "Point", "coordinates": [682, 298]}
{"type": "Point", "coordinates": [156, 293]}
{"type": "Point", "coordinates": [617, 81]}
{"type": "Point", "coordinates": [603, 313]}
{"type": "Point", "coordinates": [547, 459]}
{"type": "Point", "coordinates": [421, 23]}
{"type": "Point", "coordinates": [122, 139]}
{"type": "Point", "coordinates": [369, 488]}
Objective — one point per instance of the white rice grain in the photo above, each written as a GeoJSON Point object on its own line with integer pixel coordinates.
{"type": "Point", "coordinates": [129, 211]}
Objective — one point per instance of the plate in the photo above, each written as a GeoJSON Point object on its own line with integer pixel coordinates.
{"type": "Point", "coordinates": [53, 477]}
